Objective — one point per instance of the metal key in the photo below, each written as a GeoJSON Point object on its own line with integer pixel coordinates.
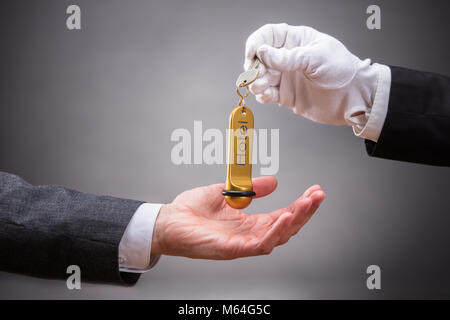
{"type": "Point", "coordinates": [247, 77]}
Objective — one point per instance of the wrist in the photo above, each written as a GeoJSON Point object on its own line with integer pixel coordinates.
{"type": "Point", "coordinates": [376, 112]}
{"type": "Point", "coordinates": [158, 231]}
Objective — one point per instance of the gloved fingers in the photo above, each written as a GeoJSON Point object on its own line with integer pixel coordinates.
{"type": "Point", "coordinates": [262, 70]}
{"type": "Point", "coordinates": [259, 86]}
{"type": "Point", "coordinates": [254, 41]}
{"type": "Point", "coordinates": [283, 59]}
{"type": "Point", "coordinates": [270, 34]}
{"type": "Point", "coordinates": [300, 36]}
{"type": "Point", "coordinates": [247, 64]}
{"type": "Point", "coordinates": [271, 78]}
{"type": "Point", "coordinates": [289, 89]}
{"type": "Point", "coordinates": [270, 95]}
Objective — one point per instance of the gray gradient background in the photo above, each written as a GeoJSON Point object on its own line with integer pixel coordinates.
{"type": "Point", "coordinates": [93, 110]}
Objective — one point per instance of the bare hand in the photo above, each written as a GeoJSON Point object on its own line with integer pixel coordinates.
{"type": "Point", "coordinates": [200, 224]}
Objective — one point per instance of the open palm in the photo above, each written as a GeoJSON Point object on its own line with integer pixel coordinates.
{"type": "Point", "coordinates": [200, 224]}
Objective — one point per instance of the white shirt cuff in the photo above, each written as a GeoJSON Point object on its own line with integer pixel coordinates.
{"type": "Point", "coordinates": [377, 114]}
{"type": "Point", "coordinates": [136, 242]}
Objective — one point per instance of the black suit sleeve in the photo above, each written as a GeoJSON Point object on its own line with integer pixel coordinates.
{"type": "Point", "coordinates": [45, 229]}
{"type": "Point", "coordinates": [417, 124]}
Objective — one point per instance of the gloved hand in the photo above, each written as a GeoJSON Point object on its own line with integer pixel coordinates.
{"type": "Point", "coordinates": [315, 75]}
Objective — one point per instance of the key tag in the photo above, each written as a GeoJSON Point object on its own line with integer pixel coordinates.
{"type": "Point", "coordinates": [238, 190]}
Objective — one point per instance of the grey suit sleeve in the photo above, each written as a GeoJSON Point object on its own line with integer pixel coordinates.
{"type": "Point", "coordinates": [44, 229]}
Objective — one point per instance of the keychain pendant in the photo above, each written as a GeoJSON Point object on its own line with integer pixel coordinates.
{"type": "Point", "coordinates": [238, 187]}
{"type": "Point", "coordinates": [238, 191]}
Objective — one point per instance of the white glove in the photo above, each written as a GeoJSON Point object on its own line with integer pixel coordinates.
{"type": "Point", "coordinates": [315, 75]}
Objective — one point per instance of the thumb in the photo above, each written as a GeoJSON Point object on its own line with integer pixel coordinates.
{"type": "Point", "coordinates": [283, 59]}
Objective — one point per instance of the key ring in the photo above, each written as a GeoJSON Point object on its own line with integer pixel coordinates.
{"type": "Point", "coordinates": [242, 97]}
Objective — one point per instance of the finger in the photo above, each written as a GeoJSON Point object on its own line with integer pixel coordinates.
{"type": "Point", "coordinates": [271, 78]}
{"type": "Point", "coordinates": [317, 197]}
{"type": "Point", "coordinates": [293, 205]}
{"type": "Point", "coordinates": [283, 59]}
{"type": "Point", "coordinates": [263, 186]}
{"type": "Point", "coordinates": [259, 85]}
{"type": "Point", "coordinates": [270, 95]}
{"type": "Point", "coordinates": [272, 238]}
{"type": "Point", "coordinates": [303, 208]}
{"type": "Point", "coordinates": [311, 189]}
{"type": "Point", "coordinates": [270, 34]}
{"type": "Point", "coordinates": [300, 209]}
{"type": "Point", "coordinates": [254, 41]}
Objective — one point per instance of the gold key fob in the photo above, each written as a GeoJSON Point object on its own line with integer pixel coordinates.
{"type": "Point", "coordinates": [238, 187]}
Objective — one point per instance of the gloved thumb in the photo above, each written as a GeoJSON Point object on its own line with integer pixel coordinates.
{"type": "Point", "coordinates": [283, 59]}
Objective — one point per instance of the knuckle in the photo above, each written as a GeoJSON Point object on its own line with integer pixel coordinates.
{"type": "Point", "coordinates": [264, 249]}
{"type": "Point", "coordinates": [267, 27]}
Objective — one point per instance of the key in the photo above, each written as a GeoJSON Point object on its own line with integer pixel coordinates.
{"type": "Point", "coordinates": [248, 77]}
